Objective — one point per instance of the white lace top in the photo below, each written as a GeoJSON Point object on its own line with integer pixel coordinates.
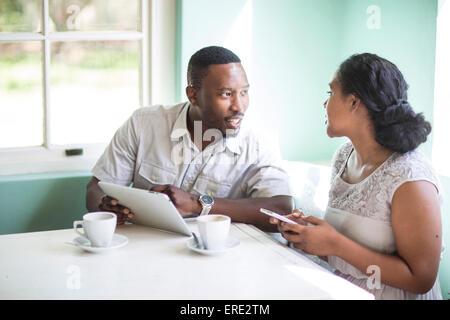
{"type": "Point", "coordinates": [362, 212]}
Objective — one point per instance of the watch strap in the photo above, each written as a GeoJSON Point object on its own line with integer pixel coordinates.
{"type": "Point", "coordinates": [205, 210]}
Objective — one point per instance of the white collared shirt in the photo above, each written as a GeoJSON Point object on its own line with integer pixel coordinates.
{"type": "Point", "coordinates": [153, 147]}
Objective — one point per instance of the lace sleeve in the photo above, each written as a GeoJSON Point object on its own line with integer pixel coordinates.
{"type": "Point", "coordinates": [410, 167]}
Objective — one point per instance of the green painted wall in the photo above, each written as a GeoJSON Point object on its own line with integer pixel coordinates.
{"type": "Point", "coordinates": [39, 202]}
{"type": "Point", "coordinates": [444, 269]}
{"type": "Point", "coordinates": [200, 23]}
{"type": "Point", "coordinates": [297, 45]}
{"type": "Point", "coordinates": [406, 36]}
{"type": "Point", "coordinates": [294, 57]}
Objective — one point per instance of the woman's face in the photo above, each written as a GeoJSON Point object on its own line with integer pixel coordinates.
{"type": "Point", "coordinates": [338, 107]}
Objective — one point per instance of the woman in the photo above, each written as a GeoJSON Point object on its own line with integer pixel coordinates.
{"type": "Point", "coordinates": [382, 227]}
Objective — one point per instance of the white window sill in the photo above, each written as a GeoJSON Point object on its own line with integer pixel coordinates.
{"type": "Point", "coordinates": [40, 159]}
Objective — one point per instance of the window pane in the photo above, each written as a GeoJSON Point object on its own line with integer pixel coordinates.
{"type": "Point", "coordinates": [94, 89]}
{"type": "Point", "coordinates": [94, 15]}
{"type": "Point", "coordinates": [20, 15]}
{"type": "Point", "coordinates": [21, 111]}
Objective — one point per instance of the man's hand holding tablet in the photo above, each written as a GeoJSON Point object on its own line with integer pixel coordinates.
{"type": "Point", "coordinates": [110, 204]}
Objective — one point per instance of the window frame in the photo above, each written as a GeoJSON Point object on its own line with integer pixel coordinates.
{"type": "Point", "coordinates": [155, 18]}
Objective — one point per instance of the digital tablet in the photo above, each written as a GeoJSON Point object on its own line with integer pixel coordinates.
{"type": "Point", "coordinates": [150, 208]}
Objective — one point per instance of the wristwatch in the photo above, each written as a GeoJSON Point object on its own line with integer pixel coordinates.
{"type": "Point", "coordinates": [207, 203]}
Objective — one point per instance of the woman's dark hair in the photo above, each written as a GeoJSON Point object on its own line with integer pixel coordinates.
{"type": "Point", "coordinates": [383, 90]}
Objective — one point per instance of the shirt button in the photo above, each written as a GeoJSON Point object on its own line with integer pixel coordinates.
{"type": "Point", "coordinates": [154, 178]}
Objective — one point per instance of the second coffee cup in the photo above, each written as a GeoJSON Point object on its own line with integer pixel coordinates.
{"type": "Point", "coordinates": [214, 230]}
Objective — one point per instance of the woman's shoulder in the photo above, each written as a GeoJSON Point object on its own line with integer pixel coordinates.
{"type": "Point", "coordinates": [410, 166]}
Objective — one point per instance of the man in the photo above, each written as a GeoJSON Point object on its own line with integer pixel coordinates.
{"type": "Point", "coordinates": [196, 152]}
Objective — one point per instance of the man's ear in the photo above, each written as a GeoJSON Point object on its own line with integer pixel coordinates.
{"type": "Point", "coordinates": [191, 93]}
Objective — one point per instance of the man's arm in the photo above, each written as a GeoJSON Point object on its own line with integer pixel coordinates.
{"type": "Point", "coordinates": [266, 185]}
{"type": "Point", "coordinates": [247, 210]}
{"type": "Point", "coordinates": [240, 210]}
{"type": "Point", "coordinates": [97, 200]}
{"type": "Point", "coordinates": [94, 195]}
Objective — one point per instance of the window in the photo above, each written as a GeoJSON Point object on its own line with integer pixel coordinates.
{"type": "Point", "coordinates": [71, 71]}
{"type": "Point", "coordinates": [441, 129]}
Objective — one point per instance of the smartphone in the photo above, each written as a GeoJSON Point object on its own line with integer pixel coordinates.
{"type": "Point", "coordinates": [277, 216]}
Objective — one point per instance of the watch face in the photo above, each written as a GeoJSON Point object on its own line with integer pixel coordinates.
{"type": "Point", "coordinates": [207, 200]}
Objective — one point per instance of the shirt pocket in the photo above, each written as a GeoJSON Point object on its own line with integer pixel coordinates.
{"type": "Point", "coordinates": [151, 174]}
{"type": "Point", "coordinates": [212, 187]}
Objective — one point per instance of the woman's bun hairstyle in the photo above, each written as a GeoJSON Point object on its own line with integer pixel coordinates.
{"type": "Point", "coordinates": [383, 90]}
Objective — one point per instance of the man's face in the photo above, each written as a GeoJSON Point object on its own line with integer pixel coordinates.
{"type": "Point", "coordinates": [223, 98]}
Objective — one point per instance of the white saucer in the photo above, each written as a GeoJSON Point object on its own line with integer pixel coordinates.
{"type": "Point", "coordinates": [118, 241]}
{"type": "Point", "coordinates": [231, 243]}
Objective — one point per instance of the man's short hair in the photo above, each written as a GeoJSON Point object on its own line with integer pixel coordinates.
{"type": "Point", "coordinates": [202, 59]}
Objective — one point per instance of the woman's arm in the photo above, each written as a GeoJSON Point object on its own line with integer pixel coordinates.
{"type": "Point", "coordinates": [416, 222]}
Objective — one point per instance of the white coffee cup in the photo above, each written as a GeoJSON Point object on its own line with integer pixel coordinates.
{"type": "Point", "coordinates": [214, 230]}
{"type": "Point", "coordinates": [98, 227]}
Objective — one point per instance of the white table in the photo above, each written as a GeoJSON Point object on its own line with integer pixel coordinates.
{"type": "Point", "coordinates": [158, 265]}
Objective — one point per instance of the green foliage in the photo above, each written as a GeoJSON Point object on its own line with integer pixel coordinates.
{"type": "Point", "coordinates": [11, 14]}
{"type": "Point", "coordinates": [107, 61]}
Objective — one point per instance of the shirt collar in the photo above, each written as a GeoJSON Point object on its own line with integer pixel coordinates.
{"type": "Point", "coordinates": [234, 143]}
{"type": "Point", "coordinates": [180, 127]}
